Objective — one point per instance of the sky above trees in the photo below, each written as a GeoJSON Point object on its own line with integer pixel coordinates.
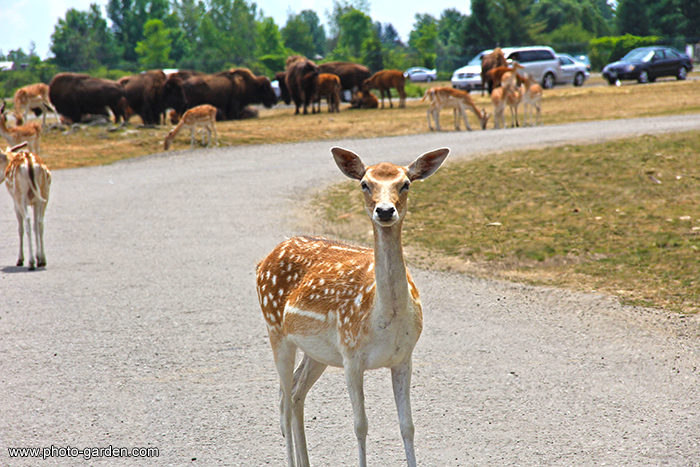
{"type": "Point", "coordinates": [34, 20]}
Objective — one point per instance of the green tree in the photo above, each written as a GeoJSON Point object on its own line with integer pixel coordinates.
{"type": "Point", "coordinates": [372, 55]}
{"type": "Point", "coordinates": [632, 17]}
{"type": "Point", "coordinates": [318, 32]}
{"type": "Point", "coordinates": [355, 28]}
{"type": "Point", "coordinates": [297, 35]}
{"type": "Point", "coordinates": [423, 39]}
{"type": "Point", "coordinates": [483, 28]}
{"type": "Point", "coordinates": [154, 50]}
{"type": "Point", "coordinates": [82, 41]}
{"type": "Point", "coordinates": [269, 38]}
{"type": "Point", "coordinates": [340, 8]}
{"type": "Point", "coordinates": [128, 19]}
{"type": "Point", "coordinates": [691, 12]}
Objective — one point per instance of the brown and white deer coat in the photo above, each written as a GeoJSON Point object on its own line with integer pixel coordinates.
{"type": "Point", "coordinates": [442, 97]}
{"type": "Point", "coordinates": [29, 181]}
{"type": "Point", "coordinates": [29, 132]}
{"type": "Point", "coordinates": [202, 116]}
{"type": "Point", "coordinates": [30, 97]}
{"type": "Point", "coordinates": [347, 306]}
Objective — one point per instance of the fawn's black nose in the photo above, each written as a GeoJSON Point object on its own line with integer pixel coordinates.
{"type": "Point", "coordinates": [385, 213]}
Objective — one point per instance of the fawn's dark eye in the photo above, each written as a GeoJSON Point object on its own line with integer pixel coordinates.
{"type": "Point", "coordinates": [406, 186]}
{"type": "Point", "coordinates": [364, 186]}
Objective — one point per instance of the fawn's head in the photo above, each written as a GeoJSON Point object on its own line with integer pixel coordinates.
{"type": "Point", "coordinates": [386, 185]}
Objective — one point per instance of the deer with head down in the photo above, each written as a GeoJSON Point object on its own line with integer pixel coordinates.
{"type": "Point", "coordinates": [445, 97]}
{"type": "Point", "coordinates": [30, 97]}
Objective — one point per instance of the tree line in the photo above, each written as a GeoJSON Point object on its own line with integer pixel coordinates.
{"type": "Point", "coordinates": [211, 35]}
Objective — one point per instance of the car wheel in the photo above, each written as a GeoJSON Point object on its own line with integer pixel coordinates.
{"type": "Point", "coordinates": [682, 73]}
{"type": "Point", "coordinates": [643, 77]}
{"type": "Point", "coordinates": [428, 79]}
{"type": "Point", "coordinates": [548, 81]}
{"type": "Point", "coordinates": [612, 81]}
{"type": "Point", "coordinates": [578, 79]}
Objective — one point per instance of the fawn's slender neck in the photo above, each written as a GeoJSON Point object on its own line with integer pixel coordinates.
{"type": "Point", "coordinates": [390, 270]}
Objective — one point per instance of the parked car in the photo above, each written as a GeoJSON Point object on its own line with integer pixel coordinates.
{"type": "Point", "coordinates": [540, 63]}
{"type": "Point", "coordinates": [586, 60]}
{"type": "Point", "coordinates": [469, 76]}
{"type": "Point", "coordinates": [572, 70]}
{"type": "Point", "coordinates": [645, 64]}
{"type": "Point", "coordinates": [421, 74]}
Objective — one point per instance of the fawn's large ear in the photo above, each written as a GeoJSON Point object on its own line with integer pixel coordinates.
{"type": "Point", "coordinates": [349, 163]}
{"type": "Point", "coordinates": [427, 164]}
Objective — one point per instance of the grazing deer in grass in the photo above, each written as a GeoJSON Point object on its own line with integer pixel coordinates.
{"type": "Point", "coordinates": [29, 132]}
{"type": "Point", "coordinates": [384, 80]}
{"type": "Point", "coordinates": [532, 97]}
{"type": "Point", "coordinates": [201, 116]}
{"type": "Point", "coordinates": [445, 97]}
{"type": "Point", "coordinates": [30, 97]}
{"type": "Point", "coordinates": [347, 306]}
{"type": "Point", "coordinates": [28, 180]}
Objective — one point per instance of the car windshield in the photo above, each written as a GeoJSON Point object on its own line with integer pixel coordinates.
{"type": "Point", "coordinates": [643, 55]}
{"type": "Point", "coordinates": [476, 61]}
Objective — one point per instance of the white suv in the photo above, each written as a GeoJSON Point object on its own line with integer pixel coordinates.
{"type": "Point", "coordinates": [540, 62]}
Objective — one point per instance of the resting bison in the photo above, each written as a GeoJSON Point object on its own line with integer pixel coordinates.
{"type": "Point", "coordinates": [302, 82]}
{"type": "Point", "coordinates": [231, 91]}
{"type": "Point", "coordinates": [351, 75]}
{"type": "Point", "coordinates": [75, 95]}
{"type": "Point", "coordinates": [151, 93]}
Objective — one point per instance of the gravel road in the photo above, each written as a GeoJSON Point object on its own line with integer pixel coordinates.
{"type": "Point", "coordinates": [144, 330]}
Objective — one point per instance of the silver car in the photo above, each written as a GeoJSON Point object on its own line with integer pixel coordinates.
{"type": "Point", "coordinates": [540, 63]}
{"type": "Point", "coordinates": [469, 76]}
{"type": "Point", "coordinates": [572, 70]}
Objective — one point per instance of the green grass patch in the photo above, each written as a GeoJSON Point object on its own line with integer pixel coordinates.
{"type": "Point", "coordinates": [621, 217]}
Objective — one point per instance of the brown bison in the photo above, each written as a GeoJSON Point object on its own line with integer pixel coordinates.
{"type": "Point", "coordinates": [493, 60]}
{"type": "Point", "coordinates": [231, 91]}
{"type": "Point", "coordinates": [328, 87]}
{"type": "Point", "coordinates": [76, 94]}
{"type": "Point", "coordinates": [385, 80]}
{"type": "Point", "coordinates": [151, 93]}
{"type": "Point", "coordinates": [365, 100]}
{"type": "Point", "coordinates": [302, 82]}
{"type": "Point", "coordinates": [284, 92]}
{"type": "Point", "coordinates": [351, 75]}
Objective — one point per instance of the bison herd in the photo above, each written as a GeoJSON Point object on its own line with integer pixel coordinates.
{"type": "Point", "coordinates": [77, 97]}
{"type": "Point", "coordinates": [154, 95]}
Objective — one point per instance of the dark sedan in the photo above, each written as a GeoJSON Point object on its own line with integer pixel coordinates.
{"type": "Point", "coordinates": [645, 64]}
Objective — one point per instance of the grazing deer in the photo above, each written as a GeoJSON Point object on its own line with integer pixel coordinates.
{"type": "Point", "coordinates": [29, 132]}
{"type": "Point", "coordinates": [532, 97]}
{"type": "Point", "coordinates": [201, 116]}
{"type": "Point", "coordinates": [445, 97]}
{"type": "Point", "coordinates": [384, 80]}
{"type": "Point", "coordinates": [28, 180]}
{"type": "Point", "coordinates": [347, 306]}
{"type": "Point", "coordinates": [30, 97]}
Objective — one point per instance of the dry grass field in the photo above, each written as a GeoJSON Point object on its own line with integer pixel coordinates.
{"type": "Point", "coordinates": [564, 104]}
